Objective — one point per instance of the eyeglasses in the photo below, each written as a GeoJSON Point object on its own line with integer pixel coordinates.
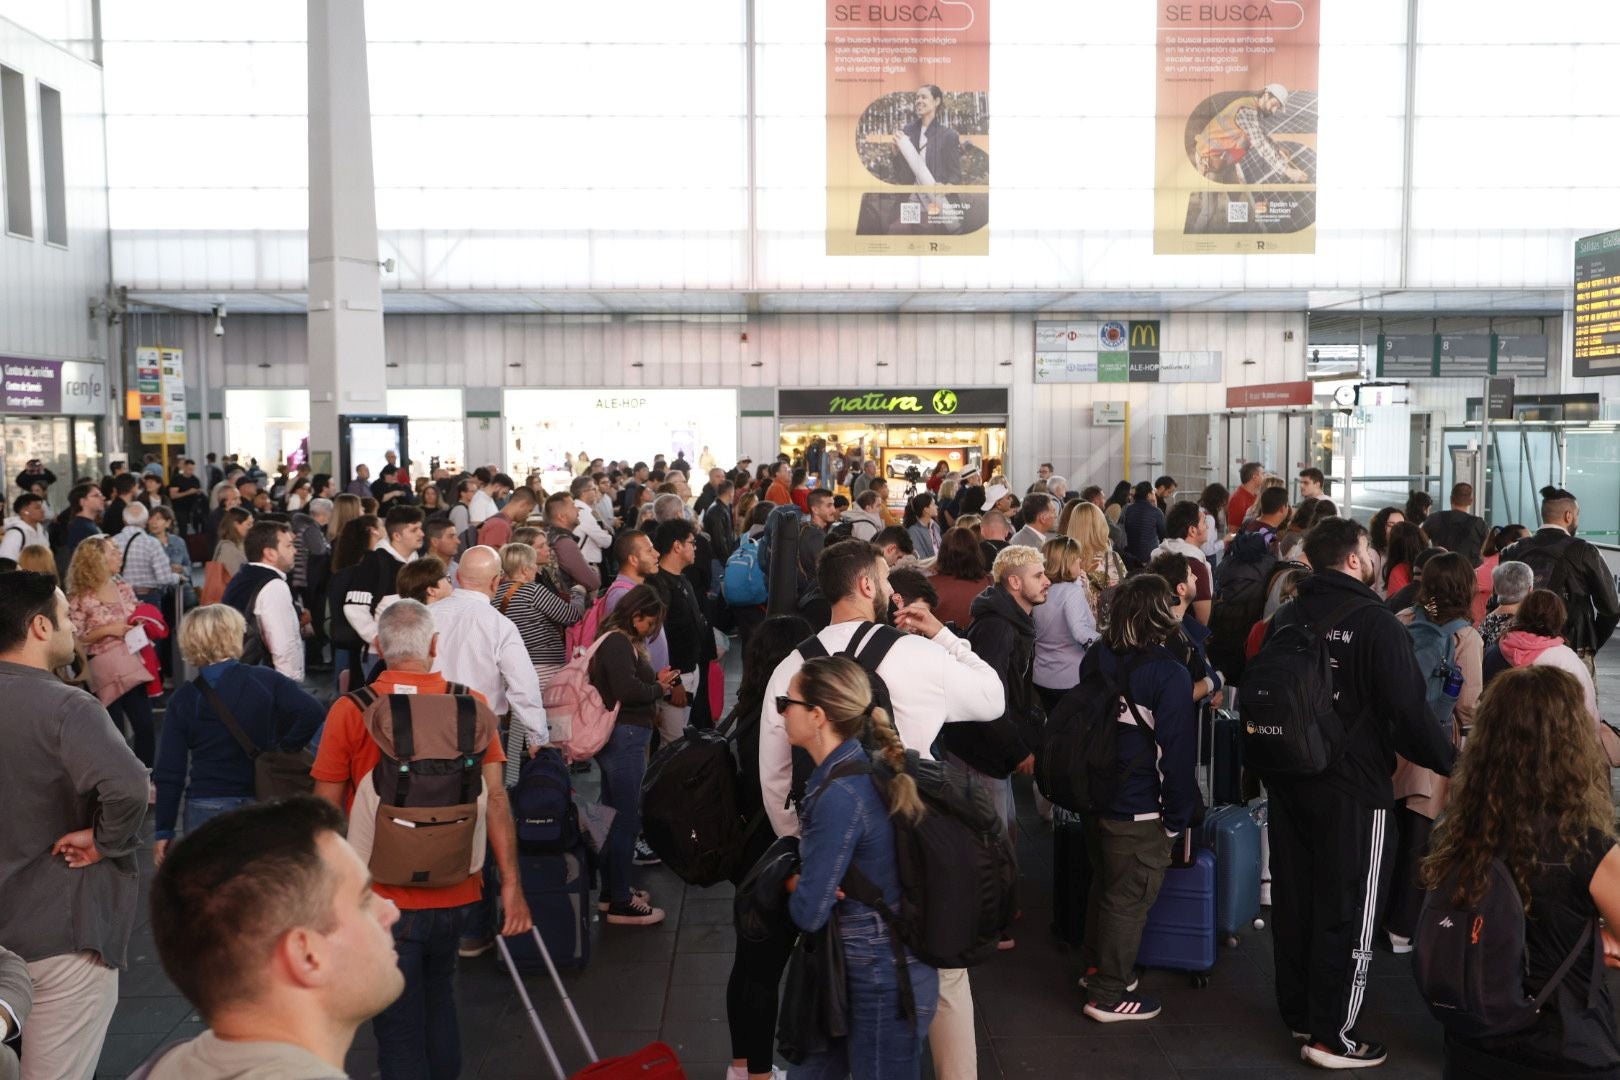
{"type": "Point", "coordinates": [783, 701]}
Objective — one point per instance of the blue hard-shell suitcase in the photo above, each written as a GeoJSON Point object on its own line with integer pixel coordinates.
{"type": "Point", "coordinates": [558, 889]}
{"type": "Point", "coordinates": [1233, 835]}
{"type": "Point", "coordinates": [1180, 930]}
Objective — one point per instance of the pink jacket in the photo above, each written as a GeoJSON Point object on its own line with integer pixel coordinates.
{"type": "Point", "coordinates": [1523, 649]}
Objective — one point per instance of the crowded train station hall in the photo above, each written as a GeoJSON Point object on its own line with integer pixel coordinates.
{"type": "Point", "coordinates": [605, 541]}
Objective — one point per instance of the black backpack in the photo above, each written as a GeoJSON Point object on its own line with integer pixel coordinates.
{"type": "Point", "coordinates": [1242, 582]}
{"type": "Point", "coordinates": [1552, 568]}
{"type": "Point", "coordinates": [543, 804]}
{"type": "Point", "coordinates": [1470, 960]}
{"type": "Point", "coordinates": [1290, 725]}
{"type": "Point", "coordinates": [1077, 766]}
{"type": "Point", "coordinates": [878, 640]}
{"type": "Point", "coordinates": [958, 878]}
{"type": "Point", "coordinates": [690, 807]}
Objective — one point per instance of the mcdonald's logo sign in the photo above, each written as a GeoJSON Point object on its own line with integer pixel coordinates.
{"type": "Point", "coordinates": [1145, 336]}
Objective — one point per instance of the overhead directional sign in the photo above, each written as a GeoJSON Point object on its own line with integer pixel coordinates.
{"type": "Point", "coordinates": [1597, 305]}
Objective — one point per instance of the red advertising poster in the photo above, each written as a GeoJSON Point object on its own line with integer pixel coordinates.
{"type": "Point", "coordinates": [908, 128]}
{"type": "Point", "coordinates": [1270, 395]}
{"type": "Point", "coordinates": [1236, 141]}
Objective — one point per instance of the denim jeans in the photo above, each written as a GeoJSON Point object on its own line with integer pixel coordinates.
{"type": "Point", "coordinates": [417, 1036]}
{"type": "Point", "coordinates": [623, 762]}
{"type": "Point", "coordinates": [201, 810]}
{"type": "Point", "coordinates": [480, 923]}
{"type": "Point", "coordinates": [880, 1045]}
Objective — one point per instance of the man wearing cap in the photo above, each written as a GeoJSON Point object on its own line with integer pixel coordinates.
{"type": "Point", "coordinates": [997, 497]}
{"type": "Point", "coordinates": [1235, 147]}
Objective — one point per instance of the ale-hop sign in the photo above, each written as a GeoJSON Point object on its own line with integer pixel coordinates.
{"type": "Point", "coordinates": [920, 403]}
{"type": "Point", "coordinates": [1116, 351]}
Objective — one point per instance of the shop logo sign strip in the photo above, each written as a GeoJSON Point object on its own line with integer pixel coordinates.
{"type": "Point", "coordinates": [903, 402]}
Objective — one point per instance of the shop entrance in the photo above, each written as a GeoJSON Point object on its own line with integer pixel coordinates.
{"type": "Point", "coordinates": [905, 453]}
{"type": "Point", "coordinates": [68, 446]}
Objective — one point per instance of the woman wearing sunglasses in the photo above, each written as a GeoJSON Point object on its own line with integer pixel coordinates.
{"type": "Point", "coordinates": [846, 824]}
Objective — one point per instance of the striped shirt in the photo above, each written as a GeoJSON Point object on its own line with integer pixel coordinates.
{"type": "Point", "coordinates": [541, 615]}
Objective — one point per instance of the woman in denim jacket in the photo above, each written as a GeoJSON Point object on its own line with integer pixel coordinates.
{"type": "Point", "coordinates": [846, 821]}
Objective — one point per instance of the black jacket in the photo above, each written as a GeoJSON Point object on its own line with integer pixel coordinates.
{"type": "Point", "coordinates": [1003, 636]}
{"type": "Point", "coordinates": [1574, 570]}
{"type": "Point", "coordinates": [1379, 690]}
{"type": "Point", "coordinates": [942, 155]}
{"type": "Point", "coordinates": [1459, 531]}
{"type": "Point", "coordinates": [684, 625]}
{"type": "Point", "coordinates": [718, 525]}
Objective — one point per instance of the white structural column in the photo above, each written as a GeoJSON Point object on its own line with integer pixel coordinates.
{"type": "Point", "coordinates": [346, 367]}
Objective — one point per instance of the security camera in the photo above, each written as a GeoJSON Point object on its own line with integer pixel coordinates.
{"type": "Point", "coordinates": [219, 320]}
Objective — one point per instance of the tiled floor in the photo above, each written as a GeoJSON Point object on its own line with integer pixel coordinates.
{"type": "Point", "coordinates": [669, 983]}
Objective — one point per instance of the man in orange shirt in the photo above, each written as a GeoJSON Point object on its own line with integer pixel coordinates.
{"type": "Point", "coordinates": [417, 1036]}
{"type": "Point", "coordinates": [781, 489]}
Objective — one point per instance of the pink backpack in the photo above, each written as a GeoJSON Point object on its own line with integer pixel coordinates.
{"type": "Point", "coordinates": [580, 720]}
{"type": "Point", "coordinates": [579, 636]}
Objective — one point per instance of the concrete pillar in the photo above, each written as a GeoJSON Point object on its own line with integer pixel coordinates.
{"type": "Point", "coordinates": [346, 366]}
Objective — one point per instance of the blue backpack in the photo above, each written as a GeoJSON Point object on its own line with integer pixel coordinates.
{"type": "Point", "coordinates": [744, 583]}
{"type": "Point", "coordinates": [1434, 644]}
{"type": "Point", "coordinates": [543, 804]}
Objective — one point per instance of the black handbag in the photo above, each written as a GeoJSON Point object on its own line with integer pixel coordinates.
{"type": "Point", "coordinates": [276, 773]}
{"type": "Point", "coordinates": [815, 996]}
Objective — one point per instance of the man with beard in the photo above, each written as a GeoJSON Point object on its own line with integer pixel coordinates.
{"type": "Point", "coordinates": [1333, 834]}
{"type": "Point", "coordinates": [932, 677]}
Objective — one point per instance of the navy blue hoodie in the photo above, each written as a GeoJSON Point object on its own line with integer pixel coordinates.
{"type": "Point", "coordinates": [1167, 787]}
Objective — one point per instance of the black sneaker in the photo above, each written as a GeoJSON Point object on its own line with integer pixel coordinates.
{"type": "Point", "coordinates": [645, 856]}
{"type": "Point", "coordinates": [634, 912]}
{"type": "Point", "coordinates": [1364, 1056]}
{"type": "Point", "coordinates": [603, 903]}
{"type": "Point", "coordinates": [1132, 1006]}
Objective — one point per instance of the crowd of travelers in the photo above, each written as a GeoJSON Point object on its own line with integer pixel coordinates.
{"type": "Point", "coordinates": [256, 660]}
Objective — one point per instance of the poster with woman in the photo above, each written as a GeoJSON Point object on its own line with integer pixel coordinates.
{"type": "Point", "coordinates": [1236, 138]}
{"type": "Point", "coordinates": [908, 128]}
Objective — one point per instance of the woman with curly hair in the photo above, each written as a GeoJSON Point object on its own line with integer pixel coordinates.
{"type": "Point", "coordinates": [1378, 541]}
{"type": "Point", "coordinates": [1533, 791]}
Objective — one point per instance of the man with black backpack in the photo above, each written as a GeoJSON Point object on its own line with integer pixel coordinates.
{"type": "Point", "coordinates": [929, 676]}
{"type": "Point", "coordinates": [1334, 694]}
{"type": "Point", "coordinates": [1242, 580]}
{"type": "Point", "coordinates": [1572, 568]}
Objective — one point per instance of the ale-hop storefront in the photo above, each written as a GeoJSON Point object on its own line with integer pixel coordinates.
{"type": "Point", "coordinates": [902, 429]}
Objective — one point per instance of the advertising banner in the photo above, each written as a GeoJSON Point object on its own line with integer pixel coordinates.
{"type": "Point", "coordinates": [1115, 351]}
{"type": "Point", "coordinates": [1270, 395]}
{"type": "Point", "coordinates": [1236, 137]}
{"type": "Point", "coordinates": [908, 128]}
{"type": "Point", "coordinates": [924, 402]}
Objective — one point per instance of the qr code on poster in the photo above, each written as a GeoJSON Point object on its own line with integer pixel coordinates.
{"type": "Point", "coordinates": [911, 213]}
{"type": "Point", "coordinates": [1237, 212]}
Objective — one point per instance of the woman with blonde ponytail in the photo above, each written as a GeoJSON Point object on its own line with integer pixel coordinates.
{"type": "Point", "coordinates": [845, 823]}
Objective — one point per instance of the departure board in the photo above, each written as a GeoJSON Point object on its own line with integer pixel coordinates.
{"type": "Point", "coordinates": [1597, 305]}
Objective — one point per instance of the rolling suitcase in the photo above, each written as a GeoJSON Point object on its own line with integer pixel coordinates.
{"type": "Point", "coordinates": [655, 1061]}
{"type": "Point", "coordinates": [1230, 832]}
{"type": "Point", "coordinates": [1071, 877]}
{"type": "Point", "coordinates": [558, 889]}
{"type": "Point", "coordinates": [1180, 930]}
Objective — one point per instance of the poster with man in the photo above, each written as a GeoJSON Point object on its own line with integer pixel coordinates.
{"type": "Point", "coordinates": [1236, 139]}
{"type": "Point", "coordinates": [908, 128]}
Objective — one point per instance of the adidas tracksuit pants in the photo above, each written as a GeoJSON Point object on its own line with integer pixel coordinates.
{"type": "Point", "coordinates": [1331, 863]}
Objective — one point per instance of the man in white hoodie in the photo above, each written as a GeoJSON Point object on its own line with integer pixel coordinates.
{"type": "Point", "coordinates": [1185, 530]}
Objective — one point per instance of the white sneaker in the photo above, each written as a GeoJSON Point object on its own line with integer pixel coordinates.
{"type": "Point", "coordinates": [1400, 946]}
{"type": "Point", "coordinates": [735, 1072]}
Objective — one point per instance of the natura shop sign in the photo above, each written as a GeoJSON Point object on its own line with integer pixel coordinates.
{"type": "Point", "coordinates": [930, 402]}
{"type": "Point", "coordinates": [54, 387]}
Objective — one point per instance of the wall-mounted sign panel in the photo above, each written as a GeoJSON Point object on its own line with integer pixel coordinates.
{"type": "Point", "coordinates": [1271, 395]}
{"type": "Point", "coordinates": [1116, 351]}
{"type": "Point", "coordinates": [53, 387]}
{"type": "Point", "coordinates": [1461, 356]}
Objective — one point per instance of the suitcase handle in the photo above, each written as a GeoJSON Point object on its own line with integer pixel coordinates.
{"type": "Point", "coordinates": [528, 1003]}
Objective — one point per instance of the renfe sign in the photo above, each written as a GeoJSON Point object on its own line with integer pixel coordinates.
{"type": "Point", "coordinates": [53, 387]}
{"type": "Point", "coordinates": [1270, 395]}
